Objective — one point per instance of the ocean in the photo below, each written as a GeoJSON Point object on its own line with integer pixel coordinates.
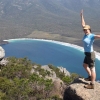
{"type": "Point", "coordinates": [46, 52]}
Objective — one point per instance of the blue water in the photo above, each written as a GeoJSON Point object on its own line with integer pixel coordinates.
{"type": "Point", "coordinates": [45, 53]}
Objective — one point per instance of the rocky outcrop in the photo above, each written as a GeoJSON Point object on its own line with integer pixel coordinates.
{"type": "Point", "coordinates": [76, 91]}
{"type": "Point", "coordinates": [52, 73]}
{"type": "Point", "coordinates": [3, 62]}
{"type": "Point", "coordinates": [65, 71]}
{"type": "Point", "coordinates": [2, 52]}
{"type": "Point", "coordinates": [58, 88]}
{"type": "Point", "coordinates": [58, 85]}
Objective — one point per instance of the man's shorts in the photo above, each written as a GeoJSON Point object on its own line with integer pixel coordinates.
{"type": "Point", "coordinates": [89, 59]}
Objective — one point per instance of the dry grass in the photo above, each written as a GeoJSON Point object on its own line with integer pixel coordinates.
{"type": "Point", "coordinates": [50, 36]}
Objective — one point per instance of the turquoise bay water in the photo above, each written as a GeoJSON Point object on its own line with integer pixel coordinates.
{"type": "Point", "coordinates": [44, 53]}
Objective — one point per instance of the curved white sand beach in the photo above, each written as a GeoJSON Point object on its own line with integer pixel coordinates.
{"type": "Point", "coordinates": [57, 42]}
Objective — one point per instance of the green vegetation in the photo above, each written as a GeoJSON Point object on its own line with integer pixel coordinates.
{"type": "Point", "coordinates": [18, 83]}
{"type": "Point", "coordinates": [57, 71]}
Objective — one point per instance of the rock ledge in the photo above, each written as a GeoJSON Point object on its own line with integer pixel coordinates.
{"type": "Point", "coordinates": [76, 91]}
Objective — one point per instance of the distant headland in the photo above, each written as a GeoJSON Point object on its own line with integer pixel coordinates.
{"type": "Point", "coordinates": [2, 42]}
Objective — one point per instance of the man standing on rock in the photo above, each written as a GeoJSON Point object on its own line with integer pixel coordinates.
{"type": "Point", "coordinates": [89, 60]}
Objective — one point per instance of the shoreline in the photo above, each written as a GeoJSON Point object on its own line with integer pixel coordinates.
{"type": "Point", "coordinates": [3, 42]}
{"type": "Point", "coordinates": [57, 42]}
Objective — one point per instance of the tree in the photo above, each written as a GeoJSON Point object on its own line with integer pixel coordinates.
{"type": "Point", "coordinates": [48, 87]}
{"type": "Point", "coordinates": [20, 90]}
{"type": "Point", "coordinates": [16, 68]}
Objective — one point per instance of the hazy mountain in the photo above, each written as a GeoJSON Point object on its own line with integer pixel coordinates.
{"type": "Point", "coordinates": [19, 18]}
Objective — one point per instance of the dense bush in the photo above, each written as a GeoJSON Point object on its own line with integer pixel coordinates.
{"type": "Point", "coordinates": [18, 83]}
{"type": "Point", "coordinates": [57, 71]}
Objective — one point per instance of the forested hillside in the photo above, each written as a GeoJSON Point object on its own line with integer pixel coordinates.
{"type": "Point", "coordinates": [21, 18]}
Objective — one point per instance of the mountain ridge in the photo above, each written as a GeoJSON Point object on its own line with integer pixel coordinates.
{"type": "Point", "coordinates": [20, 18]}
